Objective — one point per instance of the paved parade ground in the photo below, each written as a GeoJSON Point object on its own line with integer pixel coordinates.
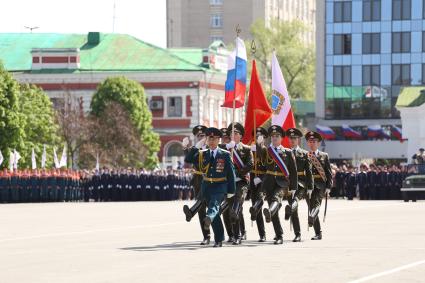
{"type": "Point", "coordinates": [151, 242]}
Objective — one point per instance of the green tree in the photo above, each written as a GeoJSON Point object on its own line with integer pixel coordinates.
{"type": "Point", "coordinates": [131, 95]}
{"type": "Point", "coordinates": [296, 58]}
{"type": "Point", "coordinates": [39, 124]}
{"type": "Point", "coordinates": [11, 120]}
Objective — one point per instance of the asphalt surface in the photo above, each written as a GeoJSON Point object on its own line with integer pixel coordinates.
{"type": "Point", "coordinates": [367, 241]}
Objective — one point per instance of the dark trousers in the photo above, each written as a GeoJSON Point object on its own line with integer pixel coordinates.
{"type": "Point", "coordinates": [257, 195]}
{"type": "Point", "coordinates": [202, 213]}
{"type": "Point", "coordinates": [236, 229]}
{"type": "Point", "coordinates": [316, 201]}
{"type": "Point", "coordinates": [214, 201]}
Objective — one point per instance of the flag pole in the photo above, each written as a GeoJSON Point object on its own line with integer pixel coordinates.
{"type": "Point", "coordinates": [253, 50]}
{"type": "Point", "coordinates": [238, 31]}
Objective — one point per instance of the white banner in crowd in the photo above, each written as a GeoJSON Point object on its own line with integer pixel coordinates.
{"type": "Point", "coordinates": [33, 161]}
{"type": "Point", "coordinates": [16, 157]}
{"type": "Point", "coordinates": [43, 157]}
{"type": "Point", "coordinates": [63, 161]}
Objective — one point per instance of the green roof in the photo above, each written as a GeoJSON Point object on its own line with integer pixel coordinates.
{"type": "Point", "coordinates": [411, 96]}
{"type": "Point", "coordinates": [192, 55]}
{"type": "Point", "coordinates": [114, 52]}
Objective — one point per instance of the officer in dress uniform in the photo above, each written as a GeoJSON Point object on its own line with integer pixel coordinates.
{"type": "Point", "coordinates": [305, 180]}
{"type": "Point", "coordinates": [372, 179]}
{"type": "Point", "coordinates": [351, 183]}
{"type": "Point", "coordinates": [280, 179]}
{"type": "Point", "coordinates": [218, 180]}
{"type": "Point", "coordinates": [257, 176]}
{"type": "Point", "coordinates": [242, 160]}
{"type": "Point", "coordinates": [200, 205]}
{"type": "Point", "coordinates": [322, 174]}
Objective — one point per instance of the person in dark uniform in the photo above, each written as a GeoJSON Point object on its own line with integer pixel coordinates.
{"type": "Point", "coordinates": [200, 205]}
{"type": "Point", "coordinates": [242, 160]}
{"type": "Point", "coordinates": [5, 186]}
{"type": "Point", "coordinates": [281, 177]}
{"type": "Point", "coordinates": [362, 181]}
{"type": "Point", "coordinates": [351, 183]}
{"type": "Point", "coordinates": [340, 182]}
{"type": "Point", "coordinates": [218, 180]}
{"type": "Point", "coordinates": [383, 188]}
{"type": "Point", "coordinates": [321, 169]}
{"type": "Point", "coordinates": [225, 139]}
{"type": "Point", "coordinates": [372, 177]}
{"type": "Point", "coordinates": [305, 180]}
{"type": "Point", "coordinates": [257, 176]}
{"type": "Point", "coordinates": [15, 186]}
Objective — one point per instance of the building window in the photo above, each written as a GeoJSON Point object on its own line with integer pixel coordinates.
{"type": "Point", "coordinates": [371, 10]}
{"type": "Point", "coordinates": [423, 40]}
{"type": "Point", "coordinates": [216, 2]}
{"type": "Point", "coordinates": [371, 75]}
{"type": "Point", "coordinates": [342, 44]}
{"type": "Point", "coordinates": [371, 43]}
{"type": "Point", "coordinates": [401, 9]}
{"type": "Point", "coordinates": [423, 74]}
{"type": "Point", "coordinates": [174, 107]}
{"type": "Point", "coordinates": [216, 38]}
{"type": "Point", "coordinates": [401, 74]}
{"type": "Point", "coordinates": [216, 21]}
{"type": "Point", "coordinates": [401, 42]}
{"type": "Point", "coordinates": [342, 75]}
{"type": "Point", "coordinates": [342, 11]}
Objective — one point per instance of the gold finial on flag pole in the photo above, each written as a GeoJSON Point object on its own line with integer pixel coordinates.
{"type": "Point", "coordinates": [253, 47]}
{"type": "Point", "coordinates": [238, 30]}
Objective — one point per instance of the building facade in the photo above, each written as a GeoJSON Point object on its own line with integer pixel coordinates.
{"type": "Point", "coordinates": [195, 23]}
{"type": "Point", "coordinates": [184, 87]}
{"type": "Point", "coordinates": [367, 52]}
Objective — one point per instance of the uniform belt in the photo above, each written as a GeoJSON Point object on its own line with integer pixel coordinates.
{"type": "Point", "coordinates": [317, 176]}
{"type": "Point", "coordinates": [300, 173]}
{"type": "Point", "coordinates": [258, 172]}
{"type": "Point", "coordinates": [215, 180]}
{"type": "Point", "coordinates": [275, 173]}
{"type": "Point", "coordinates": [197, 172]}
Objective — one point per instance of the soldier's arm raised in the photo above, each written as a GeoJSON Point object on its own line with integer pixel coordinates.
{"type": "Point", "coordinates": [191, 155]}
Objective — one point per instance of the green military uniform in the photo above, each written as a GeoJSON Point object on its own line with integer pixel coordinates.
{"type": "Point", "coordinates": [322, 174]}
{"type": "Point", "coordinates": [200, 205]}
{"type": "Point", "coordinates": [218, 179]}
{"type": "Point", "coordinates": [305, 182]}
{"type": "Point", "coordinates": [280, 179]}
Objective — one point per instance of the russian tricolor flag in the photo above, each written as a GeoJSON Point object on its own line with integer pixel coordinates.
{"type": "Point", "coordinates": [235, 86]}
{"type": "Point", "coordinates": [348, 132]}
{"type": "Point", "coordinates": [376, 131]}
{"type": "Point", "coordinates": [396, 131]}
{"type": "Point", "coordinates": [326, 132]}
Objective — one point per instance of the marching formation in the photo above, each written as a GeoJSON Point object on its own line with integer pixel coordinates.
{"type": "Point", "coordinates": [226, 171]}
{"type": "Point", "coordinates": [59, 185]}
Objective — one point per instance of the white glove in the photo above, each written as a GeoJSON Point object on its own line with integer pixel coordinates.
{"type": "Point", "coordinates": [309, 193]}
{"type": "Point", "coordinates": [328, 191]}
{"type": "Point", "coordinates": [230, 145]}
{"type": "Point", "coordinates": [185, 142]}
{"type": "Point", "coordinates": [260, 139]}
{"type": "Point", "coordinates": [257, 181]}
{"type": "Point", "coordinates": [293, 193]}
{"type": "Point", "coordinates": [230, 195]}
{"type": "Point", "coordinates": [200, 144]}
{"type": "Point", "coordinates": [253, 148]}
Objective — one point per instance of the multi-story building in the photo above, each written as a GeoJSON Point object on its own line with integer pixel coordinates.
{"type": "Point", "coordinates": [367, 52]}
{"type": "Point", "coordinates": [184, 87]}
{"type": "Point", "coordinates": [197, 23]}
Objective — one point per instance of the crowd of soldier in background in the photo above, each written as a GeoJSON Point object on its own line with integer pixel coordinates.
{"type": "Point", "coordinates": [368, 182]}
{"type": "Point", "coordinates": [65, 185]}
